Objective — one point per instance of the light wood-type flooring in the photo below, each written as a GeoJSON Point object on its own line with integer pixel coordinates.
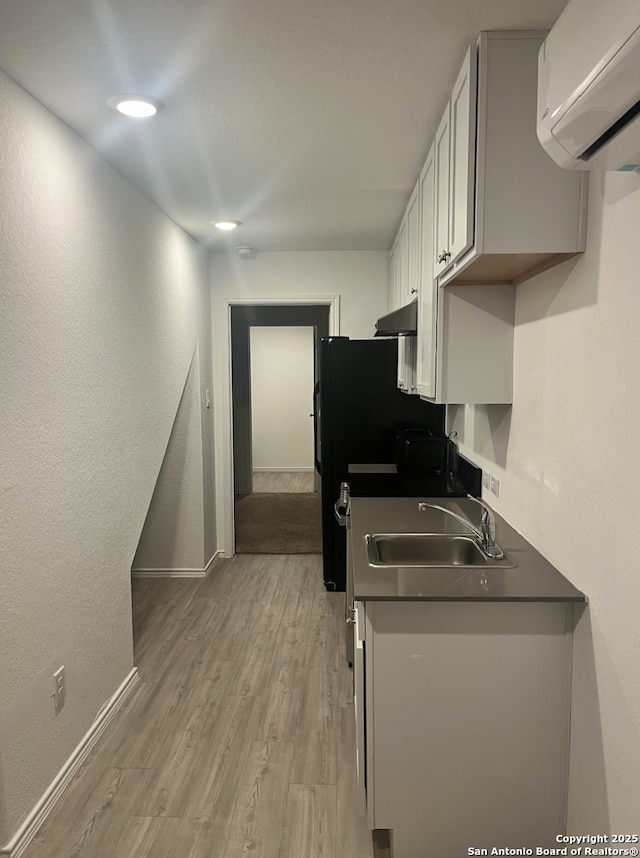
{"type": "Point", "coordinates": [239, 741]}
{"type": "Point", "coordinates": [282, 481]}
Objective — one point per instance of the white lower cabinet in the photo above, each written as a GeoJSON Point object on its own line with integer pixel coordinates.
{"type": "Point", "coordinates": [465, 723]}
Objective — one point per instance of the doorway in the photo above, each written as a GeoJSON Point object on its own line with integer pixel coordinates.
{"type": "Point", "coordinates": [282, 380]}
{"type": "Point", "coordinates": [243, 318]}
{"type": "Point", "coordinates": [272, 424]}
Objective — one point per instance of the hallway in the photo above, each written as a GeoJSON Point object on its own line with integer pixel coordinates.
{"type": "Point", "coordinates": [240, 737]}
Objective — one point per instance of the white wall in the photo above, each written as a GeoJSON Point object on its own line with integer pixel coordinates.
{"type": "Point", "coordinates": [358, 278]}
{"type": "Point", "coordinates": [103, 300]}
{"type": "Point", "coordinates": [568, 459]}
{"type": "Point", "coordinates": [281, 397]}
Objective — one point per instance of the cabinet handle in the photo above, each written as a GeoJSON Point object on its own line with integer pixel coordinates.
{"type": "Point", "coordinates": [413, 291]}
{"type": "Point", "coordinates": [444, 256]}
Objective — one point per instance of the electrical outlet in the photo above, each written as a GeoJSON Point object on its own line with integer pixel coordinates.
{"type": "Point", "coordinates": [59, 689]}
{"type": "Point", "coordinates": [486, 480]}
{"type": "Point", "coordinates": [495, 487]}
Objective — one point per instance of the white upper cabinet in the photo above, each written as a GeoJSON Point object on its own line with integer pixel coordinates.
{"type": "Point", "coordinates": [513, 212]}
{"type": "Point", "coordinates": [455, 161]}
{"type": "Point", "coordinates": [490, 210]}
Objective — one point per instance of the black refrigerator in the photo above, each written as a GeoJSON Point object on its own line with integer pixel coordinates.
{"type": "Point", "coordinates": [358, 409]}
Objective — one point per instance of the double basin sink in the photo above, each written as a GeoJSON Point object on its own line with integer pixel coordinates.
{"type": "Point", "coordinates": [430, 551]}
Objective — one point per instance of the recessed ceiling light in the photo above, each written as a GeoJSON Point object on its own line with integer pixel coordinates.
{"type": "Point", "coordinates": [226, 225]}
{"type": "Point", "coordinates": [136, 106]}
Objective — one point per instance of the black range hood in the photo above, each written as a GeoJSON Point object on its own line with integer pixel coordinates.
{"type": "Point", "coordinates": [402, 322]}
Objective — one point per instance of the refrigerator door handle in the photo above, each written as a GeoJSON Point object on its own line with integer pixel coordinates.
{"type": "Point", "coordinates": [342, 504]}
{"type": "Point", "coordinates": [317, 455]}
{"type": "Point", "coordinates": [341, 517]}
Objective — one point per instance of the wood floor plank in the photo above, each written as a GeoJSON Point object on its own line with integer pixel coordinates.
{"type": "Point", "coordinates": [282, 701]}
{"type": "Point", "coordinates": [310, 822]}
{"type": "Point", "coordinates": [316, 741]}
{"type": "Point", "coordinates": [324, 633]}
{"type": "Point", "coordinates": [167, 793]}
{"type": "Point", "coordinates": [299, 605]}
{"type": "Point", "coordinates": [314, 759]}
{"type": "Point", "coordinates": [147, 838]}
{"type": "Point", "coordinates": [55, 829]}
{"type": "Point", "coordinates": [159, 710]}
{"type": "Point", "coordinates": [195, 838]}
{"type": "Point", "coordinates": [219, 763]}
{"type": "Point", "coordinates": [100, 822]}
{"type": "Point", "coordinates": [259, 811]}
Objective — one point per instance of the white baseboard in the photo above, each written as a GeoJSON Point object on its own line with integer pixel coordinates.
{"type": "Point", "coordinates": [23, 837]}
{"type": "Point", "coordinates": [286, 470]}
{"type": "Point", "coordinates": [178, 573]}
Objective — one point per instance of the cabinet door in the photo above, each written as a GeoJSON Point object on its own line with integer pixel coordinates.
{"type": "Point", "coordinates": [359, 705]}
{"type": "Point", "coordinates": [428, 289]}
{"type": "Point", "coordinates": [413, 248]}
{"type": "Point", "coordinates": [402, 254]}
{"type": "Point", "coordinates": [442, 146]}
{"type": "Point", "coordinates": [393, 263]}
{"type": "Point", "coordinates": [462, 158]}
{"type": "Point", "coordinates": [407, 364]}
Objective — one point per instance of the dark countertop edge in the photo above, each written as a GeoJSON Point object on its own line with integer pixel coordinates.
{"type": "Point", "coordinates": [576, 600]}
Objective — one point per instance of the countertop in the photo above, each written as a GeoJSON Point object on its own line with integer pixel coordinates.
{"type": "Point", "coordinates": [532, 579]}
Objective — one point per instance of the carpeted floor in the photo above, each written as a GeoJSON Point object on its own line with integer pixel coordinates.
{"type": "Point", "coordinates": [282, 523]}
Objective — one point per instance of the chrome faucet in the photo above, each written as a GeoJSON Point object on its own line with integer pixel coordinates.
{"type": "Point", "coordinates": [485, 536]}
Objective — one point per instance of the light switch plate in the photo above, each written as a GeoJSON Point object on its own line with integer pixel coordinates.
{"type": "Point", "coordinates": [495, 487]}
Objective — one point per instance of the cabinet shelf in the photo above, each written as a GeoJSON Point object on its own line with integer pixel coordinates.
{"type": "Point", "coordinates": [507, 269]}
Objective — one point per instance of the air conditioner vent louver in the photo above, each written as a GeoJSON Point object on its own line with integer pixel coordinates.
{"type": "Point", "coordinates": [618, 126]}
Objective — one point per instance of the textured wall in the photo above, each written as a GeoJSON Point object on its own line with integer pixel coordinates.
{"type": "Point", "coordinates": [102, 302]}
{"type": "Point", "coordinates": [569, 464]}
{"type": "Point", "coordinates": [282, 397]}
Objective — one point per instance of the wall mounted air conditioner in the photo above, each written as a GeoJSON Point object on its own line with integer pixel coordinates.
{"type": "Point", "coordinates": [589, 86]}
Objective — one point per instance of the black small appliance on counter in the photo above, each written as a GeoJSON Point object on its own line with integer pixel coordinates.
{"type": "Point", "coordinates": [379, 440]}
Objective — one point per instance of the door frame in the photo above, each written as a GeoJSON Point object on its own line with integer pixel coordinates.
{"type": "Point", "coordinates": [223, 412]}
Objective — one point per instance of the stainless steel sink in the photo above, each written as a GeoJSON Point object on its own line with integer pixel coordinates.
{"type": "Point", "coordinates": [429, 550]}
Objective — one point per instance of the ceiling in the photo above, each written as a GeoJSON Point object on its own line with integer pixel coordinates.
{"type": "Point", "coordinates": [307, 120]}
